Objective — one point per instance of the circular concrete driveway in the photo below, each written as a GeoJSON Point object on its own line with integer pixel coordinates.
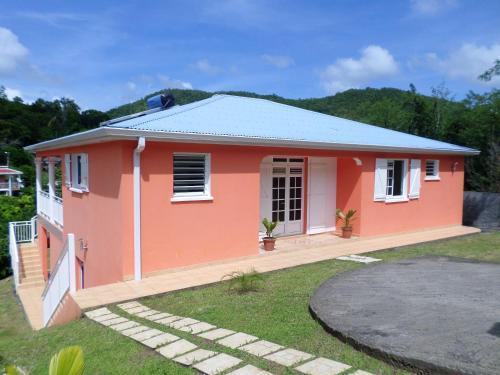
{"type": "Point", "coordinates": [434, 314]}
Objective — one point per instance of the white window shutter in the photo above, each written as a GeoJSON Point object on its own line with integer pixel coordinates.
{"type": "Point", "coordinates": [414, 178]}
{"type": "Point", "coordinates": [265, 193]}
{"type": "Point", "coordinates": [85, 172]}
{"type": "Point", "coordinates": [67, 169]}
{"type": "Point", "coordinates": [380, 179]}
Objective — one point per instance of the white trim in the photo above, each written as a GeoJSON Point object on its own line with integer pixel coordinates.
{"type": "Point", "coordinates": [192, 198]}
{"type": "Point", "coordinates": [141, 145]}
{"type": "Point", "coordinates": [320, 230]}
{"type": "Point", "coordinates": [79, 191]}
{"type": "Point", "coordinates": [432, 178]}
{"type": "Point", "coordinates": [72, 262]}
{"type": "Point", "coordinates": [107, 134]}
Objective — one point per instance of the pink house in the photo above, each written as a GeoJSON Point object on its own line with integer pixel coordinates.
{"type": "Point", "coordinates": [182, 185]}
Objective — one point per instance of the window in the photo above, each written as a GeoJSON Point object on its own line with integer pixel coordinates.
{"type": "Point", "coordinates": [432, 170]}
{"type": "Point", "coordinates": [191, 177]}
{"type": "Point", "coordinates": [391, 177]}
{"type": "Point", "coordinates": [76, 172]}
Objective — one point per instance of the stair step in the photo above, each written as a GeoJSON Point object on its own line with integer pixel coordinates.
{"type": "Point", "coordinates": [27, 285]}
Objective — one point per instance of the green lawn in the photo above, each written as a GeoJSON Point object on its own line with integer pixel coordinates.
{"type": "Point", "coordinates": [278, 312]}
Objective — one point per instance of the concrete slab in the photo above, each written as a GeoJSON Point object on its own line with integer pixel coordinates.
{"type": "Point", "coordinates": [158, 316]}
{"type": "Point", "coordinates": [183, 322]}
{"type": "Point", "coordinates": [176, 348]}
{"type": "Point", "coordinates": [134, 330]}
{"type": "Point", "coordinates": [288, 357]}
{"type": "Point", "coordinates": [322, 366]}
{"type": "Point", "coordinates": [102, 318]}
{"type": "Point", "coordinates": [138, 309]}
{"type": "Point", "coordinates": [197, 328]}
{"type": "Point", "coordinates": [128, 305]}
{"type": "Point", "coordinates": [437, 314]}
{"type": "Point", "coordinates": [359, 259]}
{"type": "Point", "coordinates": [195, 356]}
{"type": "Point", "coordinates": [249, 370]}
{"type": "Point", "coordinates": [237, 340]}
{"type": "Point", "coordinates": [217, 364]}
{"type": "Point", "coordinates": [99, 312]}
{"type": "Point", "coordinates": [144, 314]}
{"type": "Point", "coordinates": [114, 321]}
{"type": "Point", "coordinates": [261, 348]}
{"type": "Point", "coordinates": [166, 321]}
{"type": "Point", "coordinates": [125, 325]}
{"type": "Point", "coordinates": [216, 334]}
{"type": "Point", "coordinates": [145, 335]}
{"type": "Point", "coordinates": [160, 340]}
{"type": "Point", "coordinates": [360, 372]}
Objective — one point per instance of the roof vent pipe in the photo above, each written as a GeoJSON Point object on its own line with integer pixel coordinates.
{"type": "Point", "coordinates": [161, 101]}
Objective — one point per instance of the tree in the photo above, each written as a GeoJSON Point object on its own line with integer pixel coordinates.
{"type": "Point", "coordinates": [491, 72]}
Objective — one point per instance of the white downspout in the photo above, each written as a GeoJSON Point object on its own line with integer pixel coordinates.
{"type": "Point", "coordinates": [141, 144]}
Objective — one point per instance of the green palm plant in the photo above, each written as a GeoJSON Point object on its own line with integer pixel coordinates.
{"type": "Point", "coordinates": [270, 226]}
{"type": "Point", "coordinates": [346, 217]}
{"type": "Point", "coordinates": [69, 361]}
{"type": "Point", "coordinates": [243, 282]}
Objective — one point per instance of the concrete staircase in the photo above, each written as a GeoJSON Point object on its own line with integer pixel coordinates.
{"type": "Point", "coordinates": [30, 266]}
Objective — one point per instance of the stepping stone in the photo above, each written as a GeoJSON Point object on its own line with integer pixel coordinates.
{"type": "Point", "coordinates": [193, 357]}
{"type": "Point", "coordinates": [102, 318]}
{"type": "Point", "coordinates": [99, 312]}
{"type": "Point", "coordinates": [197, 328]}
{"type": "Point", "coordinates": [216, 334]}
{"type": "Point", "coordinates": [129, 305]}
{"type": "Point", "coordinates": [123, 326]}
{"type": "Point", "coordinates": [158, 316]}
{"type": "Point", "coordinates": [249, 370]}
{"type": "Point", "coordinates": [214, 365]}
{"type": "Point", "coordinates": [322, 366]}
{"type": "Point", "coordinates": [359, 259]}
{"type": "Point", "coordinates": [237, 340]}
{"type": "Point", "coordinates": [144, 335]}
{"type": "Point", "coordinates": [183, 322]}
{"type": "Point", "coordinates": [138, 309]}
{"type": "Point", "coordinates": [146, 313]}
{"type": "Point", "coordinates": [133, 331]}
{"type": "Point", "coordinates": [360, 372]}
{"type": "Point", "coordinates": [176, 348]}
{"type": "Point", "coordinates": [288, 357]}
{"type": "Point", "coordinates": [166, 321]}
{"type": "Point", "coordinates": [261, 348]}
{"type": "Point", "coordinates": [160, 340]}
{"type": "Point", "coordinates": [111, 322]}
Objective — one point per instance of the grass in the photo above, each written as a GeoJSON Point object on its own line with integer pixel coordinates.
{"type": "Point", "coordinates": [277, 311]}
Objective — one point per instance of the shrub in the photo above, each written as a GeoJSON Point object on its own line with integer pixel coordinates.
{"type": "Point", "coordinates": [244, 282]}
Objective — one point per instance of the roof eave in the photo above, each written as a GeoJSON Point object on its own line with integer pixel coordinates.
{"type": "Point", "coordinates": [105, 134]}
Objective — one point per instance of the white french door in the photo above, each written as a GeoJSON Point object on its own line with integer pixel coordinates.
{"type": "Point", "coordinates": [287, 195]}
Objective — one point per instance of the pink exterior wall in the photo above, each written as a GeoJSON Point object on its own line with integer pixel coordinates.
{"type": "Point", "coordinates": [178, 234]}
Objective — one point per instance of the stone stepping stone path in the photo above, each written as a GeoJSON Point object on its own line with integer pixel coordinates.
{"type": "Point", "coordinates": [210, 362]}
{"type": "Point", "coordinates": [359, 259]}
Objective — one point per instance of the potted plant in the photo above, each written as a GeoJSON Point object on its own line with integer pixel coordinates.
{"type": "Point", "coordinates": [346, 219]}
{"type": "Point", "coordinates": [269, 240]}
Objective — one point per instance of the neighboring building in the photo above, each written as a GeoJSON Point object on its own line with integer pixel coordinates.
{"type": "Point", "coordinates": [191, 184]}
{"type": "Point", "coordinates": [10, 180]}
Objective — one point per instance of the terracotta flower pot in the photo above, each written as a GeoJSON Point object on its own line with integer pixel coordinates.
{"type": "Point", "coordinates": [346, 232]}
{"type": "Point", "coordinates": [269, 243]}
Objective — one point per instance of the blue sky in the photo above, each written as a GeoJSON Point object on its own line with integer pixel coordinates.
{"type": "Point", "coordinates": [107, 53]}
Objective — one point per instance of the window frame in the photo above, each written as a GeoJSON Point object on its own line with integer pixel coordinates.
{"type": "Point", "coordinates": [77, 170]}
{"type": "Point", "coordinates": [404, 182]}
{"type": "Point", "coordinates": [206, 195]}
{"type": "Point", "coordinates": [435, 176]}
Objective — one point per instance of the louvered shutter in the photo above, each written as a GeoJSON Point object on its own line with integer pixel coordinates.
{"type": "Point", "coordinates": [265, 193]}
{"type": "Point", "coordinates": [84, 164]}
{"type": "Point", "coordinates": [380, 179]}
{"type": "Point", "coordinates": [415, 167]}
{"type": "Point", "coordinates": [67, 169]}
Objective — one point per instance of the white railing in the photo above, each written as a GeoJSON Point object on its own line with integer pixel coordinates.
{"type": "Point", "coordinates": [25, 231]}
{"type": "Point", "coordinates": [14, 254]}
{"type": "Point", "coordinates": [44, 203]}
{"type": "Point", "coordinates": [58, 210]}
{"type": "Point", "coordinates": [62, 280]}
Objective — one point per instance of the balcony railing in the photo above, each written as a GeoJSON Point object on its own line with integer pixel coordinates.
{"type": "Point", "coordinates": [14, 186]}
{"type": "Point", "coordinates": [50, 207]}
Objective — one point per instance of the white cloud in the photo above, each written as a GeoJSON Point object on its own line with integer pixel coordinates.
{"type": "Point", "coordinates": [281, 62]}
{"type": "Point", "coordinates": [206, 67]}
{"type": "Point", "coordinates": [431, 7]}
{"type": "Point", "coordinates": [12, 93]}
{"type": "Point", "coordinates": [468, 62]}
{"type": "Point", "coordinates": [174, 83]}
{"type": "Point", "coordinates": [12, 52]}
{"type": "Point", "coordinates": [131, 86]}
{"type": "Point", "coordinates": [375, 62]}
